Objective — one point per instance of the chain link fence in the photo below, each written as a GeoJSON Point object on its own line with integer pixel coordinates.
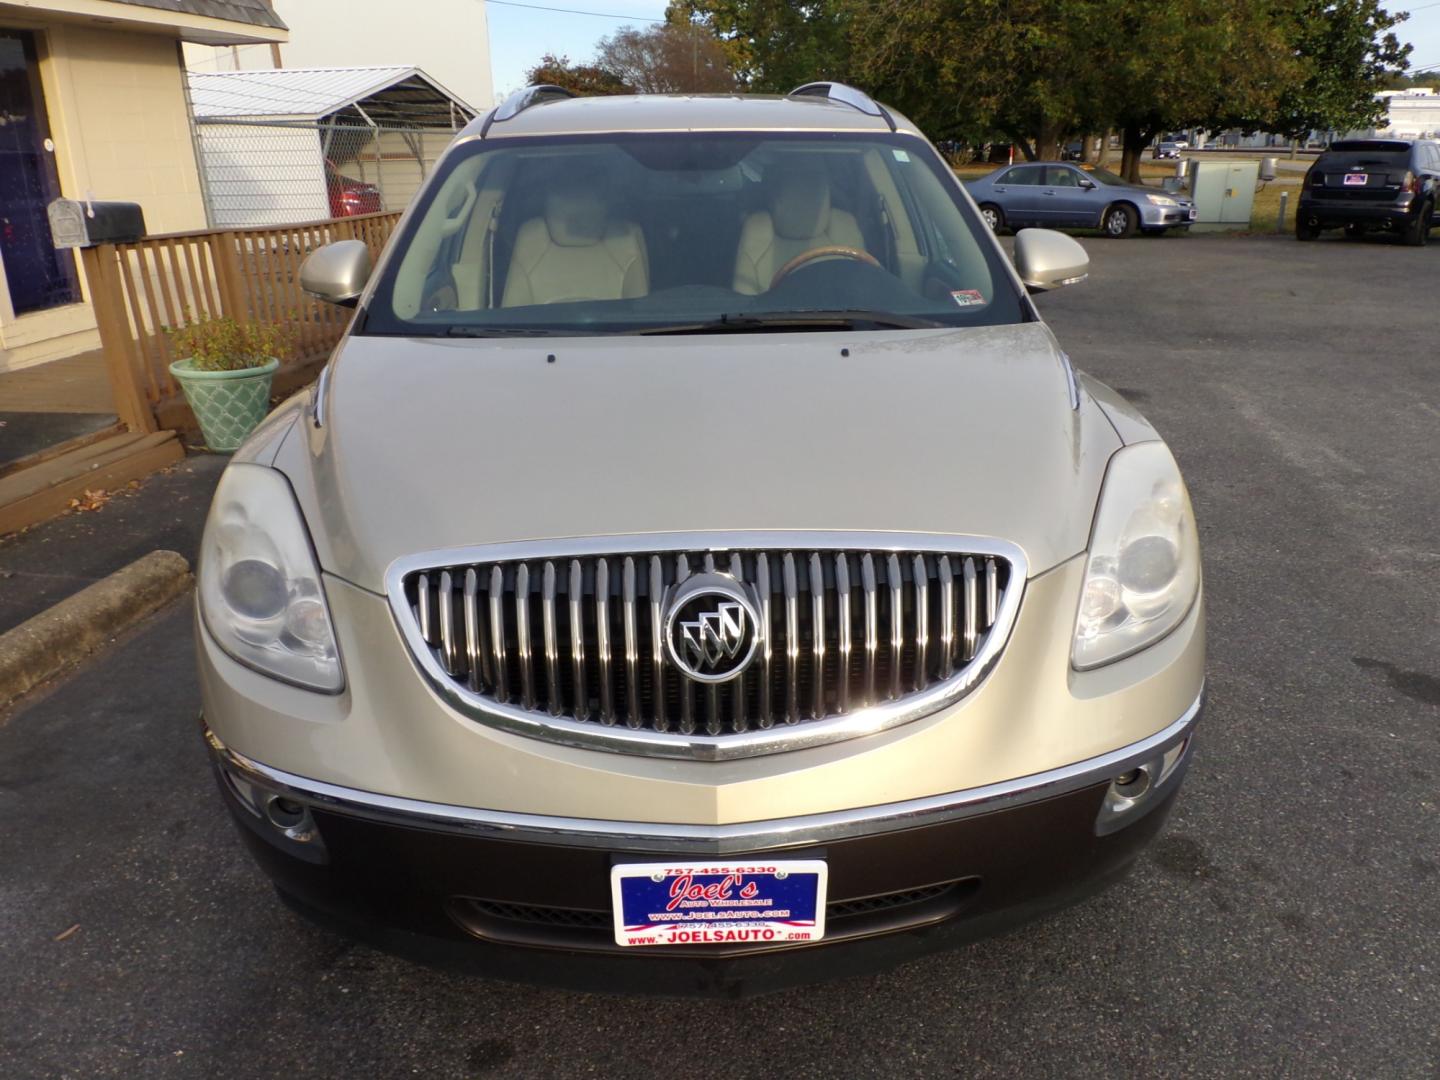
{"type": "Point", "coordinates": [278, 172]}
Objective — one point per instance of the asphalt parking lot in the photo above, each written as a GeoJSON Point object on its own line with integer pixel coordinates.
{"type": "Point", "coordinates": [1286, 923]}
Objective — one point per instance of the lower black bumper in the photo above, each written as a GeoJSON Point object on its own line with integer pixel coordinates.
{"type": "Point", "coordinates": [1326, 215]}
{"type": "Point", "coordinates": [540, 912]}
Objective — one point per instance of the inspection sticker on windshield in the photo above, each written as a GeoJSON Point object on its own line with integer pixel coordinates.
{"type": "Point", "coordinates": [740, 903]}
{"type": "Point", "coordinates": [968, 297]}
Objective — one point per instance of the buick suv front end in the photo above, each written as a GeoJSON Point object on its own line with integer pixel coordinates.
{"type": "Point", "coordinates": [702, 578]}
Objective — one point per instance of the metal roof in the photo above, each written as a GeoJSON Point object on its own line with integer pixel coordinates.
{"type": "Point", "coordinates": [254, 12]}
{"type": "Point", "coordinates": [394, 94]}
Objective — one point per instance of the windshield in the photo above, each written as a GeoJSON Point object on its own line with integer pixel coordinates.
{"type": "Point", "coordinates": [1397, 160]}
{"type": "Point", "coordinates": [680, 232]}
{"type": "Point", "coordinates": [1105, 176]}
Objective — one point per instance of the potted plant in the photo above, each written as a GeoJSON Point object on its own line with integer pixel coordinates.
{"type": "Point", "coordinates": [226, 375]}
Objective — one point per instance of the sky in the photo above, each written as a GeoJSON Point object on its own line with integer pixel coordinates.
{"type": "Point", "coordinates": [1422, 30]}
{"type": "Point", "coordinates": [519, 36]}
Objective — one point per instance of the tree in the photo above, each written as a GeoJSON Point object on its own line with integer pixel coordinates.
{"type": "Point", "coordinates": [971, 69]}
{"type": "Point", "coordinates": [1396, 81]}
{"type": "Point", "coordinates": [1204, 63]}
{"type": "Point", "coordinates": [1348, 53]}
{"type": "Point", "coordinates": [776, 45]}
{"type": "Point", "coordinates": [1037, 71]}
{"type": "Point", "coordinates": [669, 58]}
{"type": "Point", "coordinates": [583, 79]}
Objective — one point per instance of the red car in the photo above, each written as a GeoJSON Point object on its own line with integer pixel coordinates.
{"type": "Point", "coordinates": [350, 198]}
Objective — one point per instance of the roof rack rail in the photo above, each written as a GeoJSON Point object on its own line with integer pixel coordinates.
{"type": "Point", "coordinates": [521, 100]}
{"type": "Point", "coordinates": [845, 95]}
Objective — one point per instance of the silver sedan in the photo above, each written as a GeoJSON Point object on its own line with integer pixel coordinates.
{"type": "Point", "coordinates": [1053, 194]}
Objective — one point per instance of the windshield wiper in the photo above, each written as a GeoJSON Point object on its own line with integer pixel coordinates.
{"type": "Point", "coordinates": [500, 331]}
{"type": "Point", "coordinates": [732, 322]}
{"type": "Point", "coordinates": [845, 319]}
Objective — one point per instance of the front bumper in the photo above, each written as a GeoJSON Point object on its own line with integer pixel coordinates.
{"type": "Point", "coordinates": [526, 897]}
{"type": "Point", "coordinates": [1153, 217]}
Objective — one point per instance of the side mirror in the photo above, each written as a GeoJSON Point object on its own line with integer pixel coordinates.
{"type": "Point", "coordinates": [1088, 185]}
{"type": "Point", "coordinates": [337, 272]}
{"type": "Point", "coordinates": [1046, 260]}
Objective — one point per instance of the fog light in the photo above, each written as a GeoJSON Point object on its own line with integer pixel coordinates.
{"type": "Point", "coordinates": [1135, 792]}
{"type": "Point", "coordinates": [288, 816]}
{"type": "Point", "coordinates": [279, 820]}
{"type": "Point", "coordinates": [1133, 784]}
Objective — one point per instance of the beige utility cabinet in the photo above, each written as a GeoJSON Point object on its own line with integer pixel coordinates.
{"type": "Point", "coordinates": [1224, 191]}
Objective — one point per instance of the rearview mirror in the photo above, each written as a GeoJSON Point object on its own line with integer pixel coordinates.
{"type": "Point", "coordinates": [337, 272]}
{"type": "Point", "coordinates": [1046, 260]}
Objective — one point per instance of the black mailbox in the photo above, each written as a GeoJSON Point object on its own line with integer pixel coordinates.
{"type": "Point", "coordinates": [83, 224]}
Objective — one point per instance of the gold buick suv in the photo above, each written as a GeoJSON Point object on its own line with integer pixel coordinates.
{"type": "Point", "coordinates": [698, 569]}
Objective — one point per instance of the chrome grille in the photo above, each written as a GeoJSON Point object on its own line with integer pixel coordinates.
{"type": "Point", "coordinates": [572, 646]}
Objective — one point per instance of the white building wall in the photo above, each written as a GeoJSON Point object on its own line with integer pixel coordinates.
{"type": "Point", "coordinates": [448, 39]}
{"type": "Point", "coordinates": [1412, 114]}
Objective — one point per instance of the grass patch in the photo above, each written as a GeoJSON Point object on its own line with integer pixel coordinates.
{"type": "Point", "coordinates": [1267, 207]}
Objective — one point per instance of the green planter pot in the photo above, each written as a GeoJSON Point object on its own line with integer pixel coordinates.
{"type": "Point", "coordinates": [228, 404]}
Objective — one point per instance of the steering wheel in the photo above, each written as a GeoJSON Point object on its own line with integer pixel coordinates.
{"type": "Point", "coordinates": [829, 251]}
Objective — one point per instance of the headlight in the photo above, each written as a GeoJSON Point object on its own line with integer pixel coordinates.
{"type": "Point", "coordinates": [1144, 566]}
{"type": "Point", "coordinates": [1162, 200]}
{"type": "Point", "coordinates": [260, 593]}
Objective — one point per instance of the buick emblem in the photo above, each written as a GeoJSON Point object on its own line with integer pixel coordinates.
{"type": "Point", "coordinates": [711, 627]}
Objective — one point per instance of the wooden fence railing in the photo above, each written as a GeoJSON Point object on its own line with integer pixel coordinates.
{"type": "Point", "coordinates": [142, 291]}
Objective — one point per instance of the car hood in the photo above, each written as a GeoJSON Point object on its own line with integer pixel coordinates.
{"type": "Point", "coordinates": [445, 443]}
{"type": "Point", "coordinates": [1142, 190]}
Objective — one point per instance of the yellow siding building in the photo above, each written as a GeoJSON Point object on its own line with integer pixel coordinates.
{"type": "Point", "coordinates": [95, 96]}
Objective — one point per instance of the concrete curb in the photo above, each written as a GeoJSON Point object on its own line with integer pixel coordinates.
{"type": "Point", "coordinates": [68, 632]}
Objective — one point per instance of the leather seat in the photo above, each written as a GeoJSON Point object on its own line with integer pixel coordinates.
{"type": "Point", "coordinates": [800, 218]}
{"type": "Point", "coordinates": [576, 252]}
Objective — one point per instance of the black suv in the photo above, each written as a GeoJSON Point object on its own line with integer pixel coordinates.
{"type": "Point", "coordinates": [1380, 184]}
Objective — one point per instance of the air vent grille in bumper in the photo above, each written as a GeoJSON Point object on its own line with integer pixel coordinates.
{"type": "Point", "coordinates": [591, 931]}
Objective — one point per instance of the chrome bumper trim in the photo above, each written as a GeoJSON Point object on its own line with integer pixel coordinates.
{"type": "Point", "coordinates": [708, 839]}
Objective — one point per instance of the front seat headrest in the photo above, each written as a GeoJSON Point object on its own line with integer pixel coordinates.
{"type": "Point", "coordinates": [575, 217]}
{"type": "Point", "coordinates": [800, 202]}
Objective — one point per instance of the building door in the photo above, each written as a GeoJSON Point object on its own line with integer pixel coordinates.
{"type": "Point", "coordinates": [38, 276]}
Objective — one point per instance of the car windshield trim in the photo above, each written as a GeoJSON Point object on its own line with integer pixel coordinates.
{"type": "Point", "coordinates": [939, 289]}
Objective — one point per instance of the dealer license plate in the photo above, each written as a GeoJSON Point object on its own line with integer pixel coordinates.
{"type": "Point", "coordinates": [719, 903]}
{"type": "Point", "coordinates": [1356, 179]}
